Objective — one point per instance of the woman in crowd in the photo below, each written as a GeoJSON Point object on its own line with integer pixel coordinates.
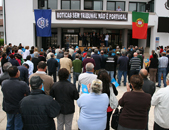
{"type": "Point", "coordinates": [93, 115]}
{"type": "Point", "coordinates": [41, 57]}
{"type": "Point", "coordinates": [135, 106]}
{"type": "Point", "coordinates": [105, 78]}
{"type": "Point", "coordinates": [153, 65]}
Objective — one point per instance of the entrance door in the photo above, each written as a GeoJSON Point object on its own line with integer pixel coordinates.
{"type": "Point", "coordinates": [72, 39]}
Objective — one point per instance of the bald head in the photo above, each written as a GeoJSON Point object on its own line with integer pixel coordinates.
{"type": "Point", "coordinates": [143, 73]}
{"type": "Point", "coordinates": [135, 54]}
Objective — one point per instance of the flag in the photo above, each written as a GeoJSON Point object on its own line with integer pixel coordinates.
{"type": "Point", "coordinates": [43, 22]}
{"type": "Point", "coordinates": [84, 88]}
{"type": "Point", "coordinates": [139, 25]}
{"type": "Point", "coordinates": [113, 81]}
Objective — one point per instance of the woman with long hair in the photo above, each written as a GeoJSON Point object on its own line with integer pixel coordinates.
{"type": "Point", "coordinates": [105, 78]}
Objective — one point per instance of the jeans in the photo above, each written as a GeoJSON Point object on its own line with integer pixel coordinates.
{"type": "Point", "coordinates": [160, 72]}
{"type": "Point", "coordinates": [69, 78]}
{"type": "Point", "coordinates": [75, 78]}
{"type": "Point", "coordinates": [133, 72]}
{"type": "Point", "coordinates": [106, 43]}
{"type": "Point", "coordinates": [14, 122]}
{"type": "Point", "coordinates": [67, 45]}
{"type": "Point", "coordinates": [120, 73]}
{"type": "Point", "coordinates": [64, 120]}
{"type": "Point", "coordinates": [54, 75]}
{"type": "Point", "coordinates": [111, 73]}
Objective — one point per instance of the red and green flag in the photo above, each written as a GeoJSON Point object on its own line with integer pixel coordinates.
{"type": "Point", "coordinates": [139, 25]}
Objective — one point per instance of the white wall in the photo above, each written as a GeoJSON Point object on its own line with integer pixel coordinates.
{"type": "Point", "coordinates": [19, 22]}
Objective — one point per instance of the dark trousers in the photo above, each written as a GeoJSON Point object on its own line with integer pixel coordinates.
{"type": "Point", "coordinates": [108, 120]}
{"type": "Point", "coordinates": [147, 119]}
{"type": "Point", "coordinates": [157, 127]}
{"type": "Point", "coordinates": [54, 75]}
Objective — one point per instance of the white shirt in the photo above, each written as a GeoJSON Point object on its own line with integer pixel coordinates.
{"type": "Point", "coordinates": [118, 9]}
{"type": "Point", "coordinates": [31, 67]}
{"type": "Point", "coordinates": [106, 38]}
{"type": "Point", "coordinates": [26, 53]}
{"type": "Point", "coordinates": [161, 111]}
{"type": "Point", "coordinates": [71, 51]}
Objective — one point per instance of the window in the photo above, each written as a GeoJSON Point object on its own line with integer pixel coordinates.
{"type": "Point", "coordinates": [137, 6]}
{"type": "Point", "coordinates": [151, 3]}
{"type": "Point", "coordinates": [47, 4]}
{"type": "Point", "coordinates": [93, 4]}
{"type": "Point", "coordinates": [71, 4]}
{"type": "Point", "coordinates": [113, 5]}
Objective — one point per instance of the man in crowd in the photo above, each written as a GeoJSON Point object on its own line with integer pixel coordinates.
{"type": "Point", "coordinates": [52, 65]}
{"type": "Point", "coordinates": [87, 60]}
{"type": "Point", "coordinates": [148, 86]}
{"type": "Point", "coordinates": [77, 69]}
{"type": "Point", "coordinates": [103, 59]}
{"type": "Point", "coordinates": [135, 65]}
{"type": "Point", "coordinates": [111, 63]}
{"type": "Point", "coordinates": [31, 66]}
{"type": "Point", "coordinates": [5, 75]}
{"type": "Point", "coordinates": [98, 60]}
{"type": "Point", "coordinates": [24, 72]}
{"type": "Point", "coordinates": [43, 105]}
{"type": "Point", "coordinates": [65, 93]}
{"type": "Point", "coordinates": [65, 62]}
{"type": "Point", "coordinates": [161, 111]}
{"type": "Point", "coordinates": [47, 80]}
{"type": "Point", "coordinates": [49, 55]}
{"type": "Point", "coordinates": [123, 62]}
{"type": "Point", "coordinates": [13, 91]}
{"type": "Point", "coordinates": [35, 61]}
{"type": "Point", "coordinates": [162, 69]}
{"type": "Point", "coordinates": [87, 77]}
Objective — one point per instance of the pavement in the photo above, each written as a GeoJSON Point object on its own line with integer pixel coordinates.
{"type": "Point", "coordinates": [121, 91]}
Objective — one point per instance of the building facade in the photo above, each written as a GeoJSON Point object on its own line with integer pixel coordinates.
{"type": "Point", "coordinates": [66, 22]}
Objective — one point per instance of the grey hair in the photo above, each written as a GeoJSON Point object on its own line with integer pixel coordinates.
{"type": "Point", "coordinates": [89, 66]}
{"type": "Point", "coordinates": [96, 86]}
{"type": "Point", "coordinates": [96, 51]}
{"type": "Point", "coordinates": [52, 55]}
{"type": "Point", "coordinates": [6, 66]}
{"type": "Point", "coordinates": [36, 54]}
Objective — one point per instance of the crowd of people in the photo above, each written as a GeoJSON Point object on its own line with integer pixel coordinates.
{"type": "Point", "coordinates": [33, 96]}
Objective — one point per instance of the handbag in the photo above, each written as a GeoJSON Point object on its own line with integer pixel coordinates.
{"type": "Point", "coordinates": [115, 118]}
{"type": "Point", "coordinates": [113, 100]}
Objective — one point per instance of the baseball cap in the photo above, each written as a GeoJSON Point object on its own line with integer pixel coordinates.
{"type": "Point", "coordinates": [35, 82]}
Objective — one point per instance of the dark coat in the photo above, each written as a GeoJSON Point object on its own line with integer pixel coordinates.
{"type": "Point", "coordinates": [3, 61]}
{"type": "Point", "coordinates": [14, 62]}
{"type": "Point", "coordinates": [65, 93]}
{"type": "Point", "coordinates": [148, 86]}
{"type": "Point", "coordinates": [52, 64]}
{"type": "Point", "coordinates": [13, 91]}
{"type": "Point", "coordinates": [35, 62]}
{"type": "Point", "coordinates": [98, 60]}
{"type": "Point", "coordinates": [38, 111]}
{"type": "Point", "coordinates": [23, 73]}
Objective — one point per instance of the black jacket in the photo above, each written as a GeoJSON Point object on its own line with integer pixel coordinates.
{"type": "Point", "coordinates": [23, 73]}
{"type": "Point", "coordinates": [65, 93]}
{"type": "Point", "coordinates": [13, 92]}
{"type": "Point", "coordinates": [35, 62]}
{"type": "Point", "coordinates": [111, 63]}
{"type": "Point", "coordinates": [14, 62]}
{"type": "Point", "coordinates": [38, 111]}
{"type": "Point", "coordinates": [98, 60]}
{"type": "Point", "coordinates": [148, 86]}
{"type": "Point", "coordinates": [52, 64]}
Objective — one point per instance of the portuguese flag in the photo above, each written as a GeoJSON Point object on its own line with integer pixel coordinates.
{"type": "Point", "coordinates": [139, 25]}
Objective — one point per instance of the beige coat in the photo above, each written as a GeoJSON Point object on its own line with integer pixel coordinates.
{"type": "Point", "coordinates": [66, 63]}
{"type": "Point", "coordinates": [47, 81]}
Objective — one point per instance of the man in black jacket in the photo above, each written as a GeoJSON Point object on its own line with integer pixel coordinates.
{"type": "Point", "coordinates": [52, 65]}
{"type": "Point", "coordinates": [24, 72]}
{"type": "Point", "coordinates": [148, 86]}
{"type": "Point", "coordinates": [38, 109]}
{"type": "Point", "coordinates": [65, 93]}
{"type": "Point", "coordinates": [13, 91]}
